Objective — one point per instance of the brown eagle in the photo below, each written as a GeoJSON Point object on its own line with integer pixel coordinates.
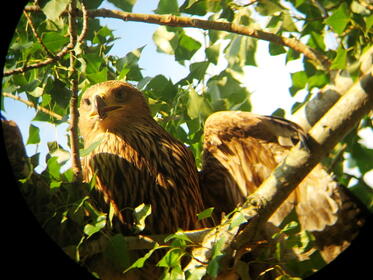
{"type": "Point", "coordinates": [136, 161]}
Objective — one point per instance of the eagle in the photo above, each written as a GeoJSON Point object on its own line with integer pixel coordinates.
{"type": "Point", "coordinates": [135, 161]}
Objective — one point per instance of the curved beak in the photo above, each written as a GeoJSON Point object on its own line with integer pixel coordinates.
{"type": "Point", "coordinates": [100, 107]}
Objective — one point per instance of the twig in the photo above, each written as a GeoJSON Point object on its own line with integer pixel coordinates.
{"type": "Point", "coordinates": [85, 24]}
{"type": "Point", "coordinates": [74, 114]}
{"type": "Point", "coordinates": [25, 68]}
{"type": "Point", "coordinates": [140, 242]}
{"type": "Point", "coordinates": [29, 103]}
{"type": "Point", "coordinates": [29, 20]}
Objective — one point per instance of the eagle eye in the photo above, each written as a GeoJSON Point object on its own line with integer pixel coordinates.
{"type": "Point", "coordinates": [87, 101]}
{"type": "Point", "coordinates": [120, 94]}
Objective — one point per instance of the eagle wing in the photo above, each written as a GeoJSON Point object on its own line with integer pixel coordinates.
{"type": "Point", "coordinates": [240, 151]}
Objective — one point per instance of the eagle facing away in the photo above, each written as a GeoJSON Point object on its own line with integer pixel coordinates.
{"type": "Point", "coordinates": [136, 161]}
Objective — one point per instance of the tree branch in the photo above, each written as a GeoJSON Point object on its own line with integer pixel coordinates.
{"type": "Point", "coordinates": [48, 61]}
{"type": "Point", "coordinates": [171, 20]}
{"type": "Point", "coordinates": [330, 129]}
{"type": "Point", "coordinates": [29, 20]}
{"type": "Point", "coordinates": [326, 133]}
{"type": "Point", "coordinates": [74, 114]}
{"type": "Point", "coordinates": [60, 54]}
{"type": "Point", "coordinates": [313, 110]}
{"type": "Point", "coordinates": [31, 104]}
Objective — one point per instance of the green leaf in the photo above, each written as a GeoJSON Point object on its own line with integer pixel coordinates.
{"type": "Point", "coordinates": [140, 262]}
{"type": "Point", "coordinates": [212, 53]}
{"type": "Point", "coordinates": [125, 5]}
{"type": "Point", "coordinates": [292, 55]}
{"type": "Point", "coordinates": [216, 255]}
{"type": "Point", "coordinates": [291, 228]}
{"type": "Point", "coordinates": [237, 220]}
{"type": "Point", "coordinates": [86, 151]}
{"type": "Point", "coordinates": [60, 94]}
{"type": "Point", "coordinates": [319, 79]}
{"type": "Point", "coordinates": [54, 41]}
{"type": "Point", "coordinates": [118, 253]}
{"type": "Point", "coordinates": [167, 7]}
{"type": "Point", "coordinates": [279, 113]}
{"type": "Point", "coordinates": [34, 135]}
{"type": "Point", "coordinates": [162, 38]}
{"type": "Point", "coordinates": [53, 168]}
{"type": "Point", "coordinates": [93, 62]}
{"type": "Point", "coordinates": [175, 273]}
{"type": "Point", "coordinates": [91, 229]}
{"type": "Point", "coordinates": [54, 8]}
{"type": "Point", "coordinates": [340, 61]}
{"type": "Point", "coordinates": [55, 184]}
{"type": "Point", "coordinates": [369, 22]}
{"type": "Point", "coordinates": [364, 193]}
{"type": "Point", "coordinates": [357, 8]}
{"type": "Point", "coordinates": [361, 155]}
{"type": "Point", "coordinates": [128, 65]}
{"type": "Point", "coordinates": [140, 213]}
{"type": "Point", "coordinates": [275, 49]}
{"type": "Point", "coordinates": [296, 106]}
{"type": "Point", "coordinates": [92, 4]}
{"type": "Point", "coordinates": [37, 92]}
{"type": "Point", "coordinates": [98, 77]}
{"type": "Point", "coordinates": [306, 241]}
{"type": "Point", "coordinates": [56, 150]}
{"type": "Point", "coordinates": [241, 51]}
{"type": "Point", "coordinates": [287, 23]}
{"type": "Point", "coordinates": [299, 79]}
{"type": "Point", "coordinates": [179, 235]}
{"type": "Point", "coordinates": [171, 258]}
{"type": "Point", "coordinates": [317, 41]}
{"type": "Point", "coordinates": [197, 105]}
{"type": "Point", "coordinates": [268, 8]}
{"type": "Point", "coordinates": [103, 36]}
{"type": "Point", "coordinates": [205, 213]}
{"type": "Point", "coordinates": [197, 71]}
{"type": "Point", "coordinates": [162, 88]}
{"type": "Point", "coordinates": [186, 47]}
{"type": "Point", "coordinates": [339, 19]}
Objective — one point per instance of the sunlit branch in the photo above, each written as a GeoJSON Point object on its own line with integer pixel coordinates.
{"type": "Point", "coordinates": [31, 104]}
{"type": "Point", "coordinates": [171, 20]}
{"type": "Point", "coordinates": [74, 114]}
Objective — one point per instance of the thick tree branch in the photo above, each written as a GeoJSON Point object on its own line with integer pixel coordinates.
{"type": "Point", "coordinates": [313, 110]}
{"type": "Point", "coordinates": [330, 129]}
